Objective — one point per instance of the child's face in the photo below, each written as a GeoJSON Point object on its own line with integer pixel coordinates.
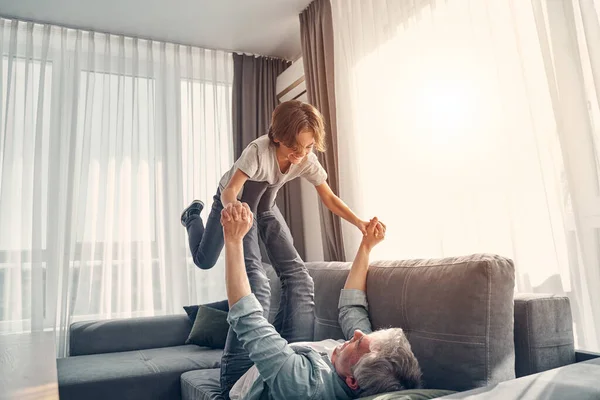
{"type": "Point", "coordinates": [305, 142]}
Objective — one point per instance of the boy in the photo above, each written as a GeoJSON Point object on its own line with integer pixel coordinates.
{"type": "Point", "coordinates": [283, 154]}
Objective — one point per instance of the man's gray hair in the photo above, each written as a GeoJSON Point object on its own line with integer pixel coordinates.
{"type": "Point", "coordinates": [389, 366]}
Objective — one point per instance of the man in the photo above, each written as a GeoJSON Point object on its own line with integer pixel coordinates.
{"type": "Point", "coordinates": [368, 363]}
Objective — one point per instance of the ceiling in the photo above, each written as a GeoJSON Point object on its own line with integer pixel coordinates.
{"type": "Point", "coordinates": [265, 27]}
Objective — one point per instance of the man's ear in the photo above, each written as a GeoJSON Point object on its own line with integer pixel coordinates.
{"type": "Point", "coordinates": [351, 382]}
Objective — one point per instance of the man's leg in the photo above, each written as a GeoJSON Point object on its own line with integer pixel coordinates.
{"type": "Point", "coordinates": [235, 361]}
{"type": "Point", "coordinates": [297, 305]}
{"type": "Point", "coordinates": [206, 244]}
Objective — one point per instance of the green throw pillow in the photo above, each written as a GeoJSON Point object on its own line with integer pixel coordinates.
{"type": "Point", "coordinates": [413, 394]}
{"type": "Point", "coordinates": [210, 328]}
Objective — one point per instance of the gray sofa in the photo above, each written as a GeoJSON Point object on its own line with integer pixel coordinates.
{"type": "Point", "coordinates": [466, 326]}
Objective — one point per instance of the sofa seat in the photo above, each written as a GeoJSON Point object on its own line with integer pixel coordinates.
{"type": "Point", "coordinates": [141, 374]}
{"type": "Point", "coordinates": [201, 385]}
{"type": "Point", "coordinates": [204, 385]}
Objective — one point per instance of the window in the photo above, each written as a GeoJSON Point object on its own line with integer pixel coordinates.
{"type": "Point", "coordinates": [106, 140]}
{"type": "Point", "coordinates": [23, 250]}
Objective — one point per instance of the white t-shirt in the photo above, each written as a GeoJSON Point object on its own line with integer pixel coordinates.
{"type": "Point", "coordinates": [259, 162]}
{"type": "Point", "coordinates": [243, 385]}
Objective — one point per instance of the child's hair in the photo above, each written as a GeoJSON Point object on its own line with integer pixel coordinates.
{"type": "Point", "coordinates": [292, 117]}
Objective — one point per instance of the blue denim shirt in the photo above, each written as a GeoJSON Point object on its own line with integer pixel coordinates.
{"type": "Point", "coordinates": [298, 372]}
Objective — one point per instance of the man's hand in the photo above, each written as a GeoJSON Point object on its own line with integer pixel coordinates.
{"type": "Point", "coordinates": [237, 220]}
{"type": "Point", "coordinates": [357, 278]}
{"type": "Point", "coordinates": [375, 234]}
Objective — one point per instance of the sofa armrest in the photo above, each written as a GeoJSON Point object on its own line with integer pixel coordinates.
{"type": "Point", "coordinates": [109, 336]}
{"type": "Point", "coordinates": [583, 355]}
{"type": "Point", "coordinates": [543, 333]}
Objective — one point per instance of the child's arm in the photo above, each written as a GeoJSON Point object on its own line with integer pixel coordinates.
{"type": "Point", "coordinates": [231, 191]}
{"type": "Point", "coordinates": [339, 208]}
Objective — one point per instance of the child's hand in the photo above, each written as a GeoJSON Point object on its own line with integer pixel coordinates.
{"type": "Point", "coordinates": [362, 225]}
{"type": "Point", "coordinates": [375, 234]}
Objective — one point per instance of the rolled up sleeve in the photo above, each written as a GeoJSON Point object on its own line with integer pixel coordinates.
{"type": "Point", "coordinates": [353, 312]}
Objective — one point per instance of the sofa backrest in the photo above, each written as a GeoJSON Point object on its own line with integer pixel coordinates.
{"type": "Point", "coordinates": [456, 312]}
{"type": "Point", "coordinates": [115, 335]}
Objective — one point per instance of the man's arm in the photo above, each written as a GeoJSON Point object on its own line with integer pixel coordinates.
{"type": "Point", "coordinates": [353, 307]}
{"type": "Point", "coordinates": [271, 354]}
{"type": "Point", "coordinates": [236, 222]}
{"type": "Point", "coordinates": [279, 366]}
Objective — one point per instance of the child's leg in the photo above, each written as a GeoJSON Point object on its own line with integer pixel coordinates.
{"type": "Point", "coordinates": [206, 243]}
{"type": "Point", "coordinates": [296, 310]}
{"type": "Point", "coordinates": [235, 361]}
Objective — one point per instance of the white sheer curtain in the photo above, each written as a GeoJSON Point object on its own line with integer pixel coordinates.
{"type": "Point", "coordinates": [103, 140]}
{"type": "Point", "coordinates": [472, 126]}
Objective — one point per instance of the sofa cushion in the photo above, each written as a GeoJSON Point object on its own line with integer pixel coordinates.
{"type": "Point", "coordinates": [579, 381]}
{"type": "Point", "coordinates": [457, 314]}
{"type": "Point", "coordinates": [201, 385]}
{"type": "Point", "coordinates": [543, 333]}
{"type": "Point", "coordinates": [143, 374]}
{"type": "Point", "coordinates": [275, 285]}
{"type": "Point", "coordinates": [210, 328]}
{"type": "Point", "coordinates": [128, 334]}
{"type": "Point", "coordinates": [329, 280]}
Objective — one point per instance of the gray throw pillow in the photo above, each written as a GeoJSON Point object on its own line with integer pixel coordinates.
{"type": "Point", "coordinates": [191, 311]}
{"type": "Point", "coordinates": [210, 328]}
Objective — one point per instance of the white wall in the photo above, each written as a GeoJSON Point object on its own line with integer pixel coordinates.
{"type": "Point", "coordinates": [312, 224]}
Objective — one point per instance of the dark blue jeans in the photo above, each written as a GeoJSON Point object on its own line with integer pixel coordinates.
{"type": "Point", "coordinates": [295, 317]}
{"type": "Point", "coordinates": [206, 243]}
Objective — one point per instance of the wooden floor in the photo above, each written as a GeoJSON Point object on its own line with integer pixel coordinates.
{"type": "Point", "coordinates": [28, 366]}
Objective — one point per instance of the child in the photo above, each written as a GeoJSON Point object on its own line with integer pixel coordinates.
{"type": "Point", "coordinates": [282, 155]}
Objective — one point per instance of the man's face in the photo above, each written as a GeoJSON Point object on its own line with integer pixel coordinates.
{"type": "Point", "coordinates": [347, 354]}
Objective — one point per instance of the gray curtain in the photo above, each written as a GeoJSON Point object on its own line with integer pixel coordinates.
{"type": "Point", "coordinates": [316, 29]}
{"type": "Point", "coordinates": [254, 99]}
